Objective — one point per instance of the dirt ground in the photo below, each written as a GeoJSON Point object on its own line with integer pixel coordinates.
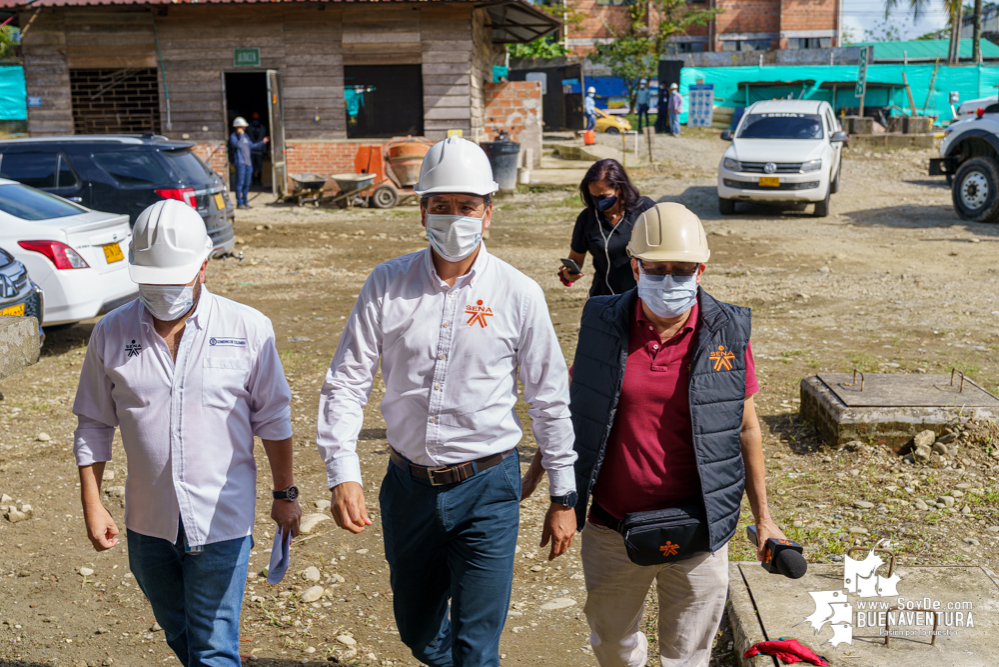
{"type": "Point", "coordinates": [892, 281]}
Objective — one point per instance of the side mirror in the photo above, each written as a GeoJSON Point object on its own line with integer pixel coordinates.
{"type": "Point", "coordinates": [726, 135]}
{"type": "Point", "coordinates": [838, 137]}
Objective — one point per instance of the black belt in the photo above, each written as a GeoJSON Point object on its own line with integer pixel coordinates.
{"type": "Point", "coordinates": [604, 517]}
{"type": "Point", "coordinates": [441, 475]}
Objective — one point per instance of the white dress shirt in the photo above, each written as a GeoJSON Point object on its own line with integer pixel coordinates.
{"type": "Point", "coordinates": [187, 426]}
{"type": "Point", "coordinates": [450, 358]}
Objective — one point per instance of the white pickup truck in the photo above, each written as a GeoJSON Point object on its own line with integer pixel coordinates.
{"type": "Point", "coordinates": [969, 158]}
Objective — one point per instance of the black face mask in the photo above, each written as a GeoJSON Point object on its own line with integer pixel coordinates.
{"type": "Point", "coordinates": [605, 203]}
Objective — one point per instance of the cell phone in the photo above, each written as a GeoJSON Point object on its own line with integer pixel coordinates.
{"type": "Point", "coordinates": [571, 265]}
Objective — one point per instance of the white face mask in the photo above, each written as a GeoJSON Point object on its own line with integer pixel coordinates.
{"type": "Point", "coordinates": [167, 302]}
{"type": "Point", "coordinates": [454, 237]}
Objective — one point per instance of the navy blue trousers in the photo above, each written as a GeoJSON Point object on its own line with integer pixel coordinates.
{"type": "Point", "coordinates": [456, 543]}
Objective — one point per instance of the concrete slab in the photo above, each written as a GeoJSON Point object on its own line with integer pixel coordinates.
{"type": "Point", "coordinates": [892, 141]}
{"type": "Point", "coordinates": [772, 606]}
{"type": "Point", "coordinates": [893, 425]}
{"type": "Point", "coordinates": [18, 344]}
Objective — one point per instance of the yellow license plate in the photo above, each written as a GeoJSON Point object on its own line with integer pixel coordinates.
{"type": "Point", "coordinates": [112, 253]}
{"type": "Point", "coordinates": [219, 202]}
{"type": "Point", "coordinates": [14, 311]}
{"type": "Point", "coordinates": [769, 181]}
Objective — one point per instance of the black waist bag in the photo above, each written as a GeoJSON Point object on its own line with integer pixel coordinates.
{"type": "Point", "coordinates": [660, 536]}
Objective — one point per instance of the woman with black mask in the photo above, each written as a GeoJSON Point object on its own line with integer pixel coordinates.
{"type": "Point", "coordinates": [603, 228]}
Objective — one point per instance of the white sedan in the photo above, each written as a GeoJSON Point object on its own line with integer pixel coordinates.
{"type": "Point", "coordinates": [77, 256]}
{"type": "Point", "coordinates": [782, 151]}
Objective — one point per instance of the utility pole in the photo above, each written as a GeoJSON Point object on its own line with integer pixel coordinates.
{"type": "Point", "coordinates": [976, 34]}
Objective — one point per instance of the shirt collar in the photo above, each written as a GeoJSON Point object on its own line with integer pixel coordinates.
{"type": "Point", "coordinates": [689, 325]}
{"type": "Point", "coordinates": [478, 266]}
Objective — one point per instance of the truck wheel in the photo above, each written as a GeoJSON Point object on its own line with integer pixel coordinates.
{"type": "Point", "coordinates": [822, 207]}
{"type": "Point", "coordinates": [726, 206]}
{"type": "Point", "coordinates": [976, 190]}
{"type": "Point", "coordinates": [384, 196]}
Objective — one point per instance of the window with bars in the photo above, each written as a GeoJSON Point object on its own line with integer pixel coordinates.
{"type": "Point", "coordinates": [115, 101]}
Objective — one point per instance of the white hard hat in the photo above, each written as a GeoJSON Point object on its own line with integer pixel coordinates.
{"type": "Point", "coordinates": [673, 86]}
{"type": "Point", "coordinates": [591, 90]}
{"type": "Point", "coordinates": [169, 243]}
{"type": "Point", "coordinates": [669, 232]}
{"type": "Point", "coordinates": [456, 165]}
{"type": "Point", "coordinates": [239, 121]}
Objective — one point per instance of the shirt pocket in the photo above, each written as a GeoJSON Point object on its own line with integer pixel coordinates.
{"type": "Point", "coordinates": [223, 381]}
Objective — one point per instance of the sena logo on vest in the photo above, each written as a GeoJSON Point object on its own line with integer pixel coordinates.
{"type": "Point", "coordinates": [478, 314]}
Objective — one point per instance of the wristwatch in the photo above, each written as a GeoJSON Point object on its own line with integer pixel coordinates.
{"type": "Point", "coordinates": [291, 493]}
{"type": "Point", "coordinates": [569, 499]}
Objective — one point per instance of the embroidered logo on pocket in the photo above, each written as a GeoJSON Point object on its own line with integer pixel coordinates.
{"type": "Point", "coordinates": [722, 358]}
{"type": "Point", "coordinates": [478, 314]}
{"type": "Point", "coordinates": [669, 548]}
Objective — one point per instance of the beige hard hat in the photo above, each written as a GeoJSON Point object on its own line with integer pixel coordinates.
{"type": "Point", "coordinates": [669, 232]}
{"type": "Point", "coordinates": [239, 121]}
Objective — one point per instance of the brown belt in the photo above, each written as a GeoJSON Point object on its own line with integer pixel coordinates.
{"type": "Point", "coordinates": [441, 475]}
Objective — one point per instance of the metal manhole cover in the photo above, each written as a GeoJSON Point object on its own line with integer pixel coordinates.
{"type": "Point", "coordinates": [888, 390]}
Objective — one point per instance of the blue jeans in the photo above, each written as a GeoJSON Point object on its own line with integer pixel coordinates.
{"type": "Point", "coordinates": [196, 598]}
{"type": "Point", "coordinates": [591, 122]}
{"type": "Point", "coordinates": [452, 542]}
{"type": "Point", "coordinates": [244, 173]}
{"type": "Point", "coordinates": [674, 124]}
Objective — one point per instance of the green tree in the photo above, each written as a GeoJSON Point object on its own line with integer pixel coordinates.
{"type": "Point", "coordinates": [956, 10]}
{"type": "Point", "coordinates": [552, 46]}
{"type": "Point", "coordinates": [546, 47]}
{"type": "Point", "coordinates": [635, 51]}
{"type": "Point", "coordinates": [10, 38]}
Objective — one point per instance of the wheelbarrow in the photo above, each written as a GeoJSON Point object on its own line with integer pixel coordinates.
{"type": "Point", "coordinates": [350, 186]}
{"type": "Point", "coordinates": [308, 188]}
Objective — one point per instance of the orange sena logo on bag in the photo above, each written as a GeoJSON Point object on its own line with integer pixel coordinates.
{"type": "Point", "coordinates": [722, 358]}
{"type": "Point", "coordinates": [478, 314]}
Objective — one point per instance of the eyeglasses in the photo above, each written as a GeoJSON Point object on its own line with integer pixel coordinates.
{"type": "Point", "coordinates": [678, 272]}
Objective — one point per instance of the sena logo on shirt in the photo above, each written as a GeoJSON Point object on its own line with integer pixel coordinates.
{"type": "Point", "coordinates": [478, 314]}
{"type": "Point", "coordinates": [722, 358]}
{"type": "Point", "coordinates": [227, 342]}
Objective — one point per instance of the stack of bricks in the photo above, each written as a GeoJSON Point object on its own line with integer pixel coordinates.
{"type": "Point", "coordinates": [515, 106]}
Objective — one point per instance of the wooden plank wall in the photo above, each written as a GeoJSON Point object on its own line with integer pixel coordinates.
{"type": "Point", "coordinates": [308, 44]}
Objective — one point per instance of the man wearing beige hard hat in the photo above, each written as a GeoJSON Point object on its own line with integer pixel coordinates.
{"type": "Point", "coordinates": [667, 438]}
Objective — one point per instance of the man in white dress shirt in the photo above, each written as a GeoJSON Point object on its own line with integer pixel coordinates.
{"type": "Point", "coordinates": [453, 327]}
{"type": "Point", "coordinates": [190, 378]}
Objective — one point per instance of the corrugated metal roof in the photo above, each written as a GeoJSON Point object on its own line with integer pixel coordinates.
{"type": "Point", "coordinates": [19, 4]}
{"type": "Point", "coordinates": [925, 50]}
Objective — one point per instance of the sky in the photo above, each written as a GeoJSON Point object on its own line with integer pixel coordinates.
{"type": "Point", "coordinates": [861, 15]}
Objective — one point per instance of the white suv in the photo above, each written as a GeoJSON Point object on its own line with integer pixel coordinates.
{"type": "Point", "coordinates": [782, 151]}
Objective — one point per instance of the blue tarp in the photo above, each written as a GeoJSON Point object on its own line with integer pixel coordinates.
{"type": "Point", "coordinates": [969, 81]}
{"type": "Point", "coordinates": [13, 98]}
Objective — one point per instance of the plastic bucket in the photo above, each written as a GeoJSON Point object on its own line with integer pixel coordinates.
{"type": "Point", "coordinates": [589, 137]}
{"type": "Point", "coordinates": [503, 157]}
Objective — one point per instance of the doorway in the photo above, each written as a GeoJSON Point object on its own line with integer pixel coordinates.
{"type": "Point", "coordinates": [246, 96]}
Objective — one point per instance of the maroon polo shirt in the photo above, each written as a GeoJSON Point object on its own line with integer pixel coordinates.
{"type": "Point", "coordinates": [649, 463]}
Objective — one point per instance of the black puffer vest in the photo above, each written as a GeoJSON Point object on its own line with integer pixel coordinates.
{"type": "Point", "coordinates": [717, 395]}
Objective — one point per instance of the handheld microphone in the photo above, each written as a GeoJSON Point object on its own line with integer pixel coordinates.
{"type": "Point", "coordinates": [780, 556]}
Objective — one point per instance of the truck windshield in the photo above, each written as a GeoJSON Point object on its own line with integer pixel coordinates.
{"type": "Point", "coordinates": [781, 126]}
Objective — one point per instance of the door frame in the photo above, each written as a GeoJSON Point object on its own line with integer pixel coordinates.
{"type": "Point", "coordinates": [272, 79]}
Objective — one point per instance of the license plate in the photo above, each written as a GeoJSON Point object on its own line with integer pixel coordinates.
{"type": "Point", "coordinates": [219, 202]}
{"type": "Point", "coordinates": [112, 253]}
{"type": "Point", "coordinates": [769, 181]}
{"type": "Point", "coordinates": [14, 311]}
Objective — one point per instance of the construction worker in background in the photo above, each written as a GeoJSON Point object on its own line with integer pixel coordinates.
{"type": "Point", "coordinates": [590, 108]}
{"type": "Point", "coordinates": [242, 148]}
{"type": "Point", "coordinates": [257, 132]}
{"type": "Point", "coordinates": [675, 108]}
{"type": "Point", "coordinates": [667, 435]}
{"type": "Point", "coordinates": [190, 378]}
{"type": "Point", "coordinates": [642, 102]}
{"type": "Point", "coordinates": [454, 327]}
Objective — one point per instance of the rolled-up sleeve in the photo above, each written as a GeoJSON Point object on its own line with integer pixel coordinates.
{"type": "Point", "coordinates": [546, 389]}
{"type": "Point", "coordinates": [270, 395]}
{"type": "Point", "coordinates": [94, 407]}
{"type": "Point", "coordinates": [347, 388]}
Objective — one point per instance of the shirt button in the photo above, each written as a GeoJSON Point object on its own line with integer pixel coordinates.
{"type": "Point", "coordinates": [440, 356]}
{"type": "Point", "coordinates": [437, 386]}
{"type": "Point", "coordinates": [655, 347]}
{"type": "Point", "coordinates": [650, 329]}
{"type": "Point", "coordinates": [445, 325]}
{"type": "Point", "coordinates": [432, 420]}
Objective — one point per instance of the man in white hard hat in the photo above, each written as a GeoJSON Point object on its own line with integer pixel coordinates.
{"type": "Point", "coordinates": [190, 378]}
{"type": "Point", "coordinates": [667, 438]}
{"type": "Point", "coordinates": [454, 327]}
{"type": "Point", "coordinates": [241, 148]}
{"type": "Point", "coordinates": [590, 108]}
{"type": "Point", "coordinates": [675, 106]}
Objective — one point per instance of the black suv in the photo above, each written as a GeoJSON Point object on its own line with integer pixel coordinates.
{"type": "Point", "coordinates": [122, 174]}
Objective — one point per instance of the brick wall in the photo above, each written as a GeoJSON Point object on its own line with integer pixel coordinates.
{"type": "Point", "coordinates": [515, 106]}
{"type": "Point", "coordinates": [595, 24]}
{"type": "Point", "coordinates": [807, 15]}
{"type": "Point", "coordinates": [747, 16]}
{"type": "Point", "coordinates": [214, 154]}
